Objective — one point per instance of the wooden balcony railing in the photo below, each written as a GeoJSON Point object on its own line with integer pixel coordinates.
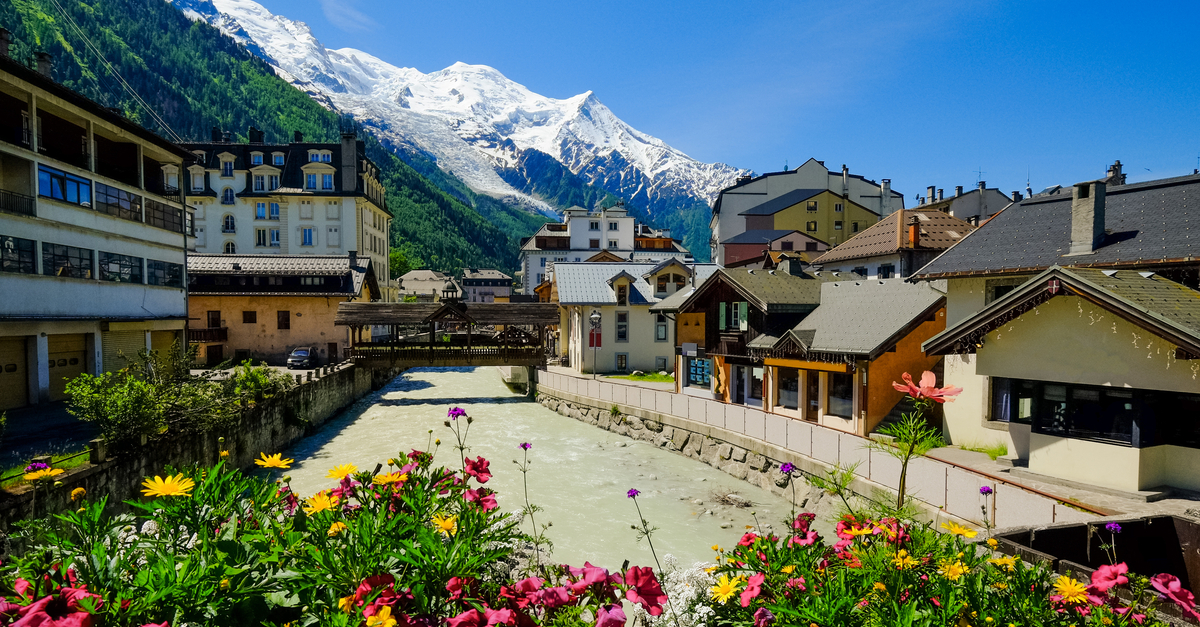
{"type": "Point", "coordinates": [199, 336]}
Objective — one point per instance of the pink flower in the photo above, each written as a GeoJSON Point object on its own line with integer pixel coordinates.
{"type": "Point", "coordinates": [809, 538]}
{"type": "Point", "coordinates": [796, 583]}
{"type": "Point", "coordinates": [484, 497]}
{"type": "Point", "coordinates": [1170, 587]}
{"type": "Point", "coordinates": [458, 587]}
{"type": "Point", "coordinates": [587, 576]}
{"type": "Point", "coordinates": [371, 583]}
{"type": "Point", "coordinates": [22, 586]}
{"type": "Point", "coordinates": [478, 468]}
{"type": "Point", "coordinates": [645, 589]}
{"type": "Point", "coordinates": [927, 389]}
{"type": "Point", "coordinates": [747, 540]}
{"type": "Point", "coordinates": [1107, 576]}
{"type": "Point", "coordinates": [1137, 618]}
{"type": "Point", "coordinates": [551, 598]}
{"type": "Point", "coordinates": [803, 521]}
{"type": "Point", "coordinates": [469, 618]}
{"type": "Point", "coordinates": [753, 588]}
{"type": "Point", "coordinates": [610, 616]}
{"type": "Point", "coordinates": [499, 617]}
{"type": "Point", "coordinates": [763, 617]}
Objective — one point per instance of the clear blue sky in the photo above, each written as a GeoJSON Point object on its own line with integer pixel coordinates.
{"type": "Point", "coordinates": [924, 93]}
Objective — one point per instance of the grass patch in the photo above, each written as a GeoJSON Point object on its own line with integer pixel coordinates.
{"type": "Point", "coordinates": [652, 377]}
{"type": "Point", "coordinates": [992, 450]}
{"type": "Point", "coordinates": [66, 461]}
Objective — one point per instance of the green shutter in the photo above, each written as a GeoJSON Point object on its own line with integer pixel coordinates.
{"type": "Point", "coordinates": [721, 316]}
{"type": "Point", "coordinates": [743, 308]}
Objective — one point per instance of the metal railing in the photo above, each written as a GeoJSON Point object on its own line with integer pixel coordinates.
{"type": "Point", "coordinates": [219, 334]}
{"type": "Point", "coordinates": [20, 204]}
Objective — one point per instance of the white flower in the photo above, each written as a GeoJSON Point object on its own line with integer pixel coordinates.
{"type": "Point", "coordinates": [150, 528]}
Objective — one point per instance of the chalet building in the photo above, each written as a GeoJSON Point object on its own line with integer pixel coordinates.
{"type": "Point", "coordinates": [777, 194]}
{"type": "Point", "coordinates": [836, 366]}
{"type": "Point", "coordinates": [485, 285]}
{"type": "Point", "coordinates": [606, 322]}
{"type": "Point", "coordinates": [973, 207]}
{"type": "Point", "coordinates": [896, 246]}
{"type": "Point", "coordinates": [262, 306]}
{"type": "Point", "coordinates": [297, 198]}
{"type": "Point", "coordinates": [755, 244]}
{"type": "Point", "coordinates": [92, 236]}
{"type": "Point", "coordinates": [1073, 326]}
{"type": "Point", "coordinates": [583, 234]}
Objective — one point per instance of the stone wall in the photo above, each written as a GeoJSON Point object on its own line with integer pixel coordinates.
{"type": "Point", "coordinates": [268, 426]}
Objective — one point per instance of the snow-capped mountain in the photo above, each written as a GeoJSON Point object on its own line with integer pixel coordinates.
{"type": "Point", "coordinates": [471, 118]}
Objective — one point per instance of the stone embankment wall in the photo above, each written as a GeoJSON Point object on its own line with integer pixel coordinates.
{"type": "Point", "coordinates": [269, 426]}
{"type": "Point", "coordinates": [752, 445]}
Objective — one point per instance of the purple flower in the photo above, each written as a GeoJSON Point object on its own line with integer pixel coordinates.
{"type": "Point", "coordinates": [456, 412]}
{"type": "Point", "coordinates": [526, 446]}
{"type": "Point", "coordinates": [763, 617]}
{"type": "Point", "coordinates": [787, 468]}
{"type": "Point", "coordinates": [1113, 527]}
{"type": "Point", "coordinates": [632, 493]}
{"type": "Point", "coordinates": [985, 490]}
{"type": "Point", "coordinates": [36, 466]}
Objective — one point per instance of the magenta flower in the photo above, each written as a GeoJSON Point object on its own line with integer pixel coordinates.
{"type": "Point", "coordinates": [36, 466]}
{"type": "Point", "coordinates": [1170, 587]}
{"type": "Point", "coordinates": [456, 412]}
{"type": "Point", "coordinates": [632, 493]}
{"type": "Point", "coordinates": [985, 490]}
{"type": "Point", "coordinates": [610, 616]}
{"type": "Point", "coordinates": [1107, 576]}
{"type": "Point", "coordinates": [644, 589]}
{"type": "Point", "coordinates": [787, 468]}
{"type": "Point", "coordinates": [1113, 527]}
{"type": "Point", "coordinates": [483, 497]}
{"type": "Point", "coordinates": [753, 588]}
{"type": "Point", "coordinates": [526, 446]}
{"type": "Point", "coordinates": [927, 388]}
{"type": "Point", "coordinates": [478, 468]}
{"type": "Point", "coordinates": [763, 617]}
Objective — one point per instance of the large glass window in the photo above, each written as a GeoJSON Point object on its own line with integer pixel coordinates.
{"type": "Point", "coordinates": [59, 185]}
{"type": "Point", "coordinates": [699, 372]}
{"type": "Point", "coordinates": [260, 211]}
{"type": "Point", "coordinates": [274, 215]}
{"type": "Point", "coordinates": [164, 216]}
{"type": "Point", "coordinates": [164, 273]}
{"type": "Point", "coordinates": [120, 268]}
{"type": "Point", "coordinates": [841, 394]}
{"type": "Point", "coordinates": [789, 388]}
{"type": "Point", "coordinates": [66, 261]}
{"type": "Point", "coordinates": [17, 255]}
{"type": "Point", "coordinates": [756, 383]}
{"type": "Point", "coordinates": [118, 202]}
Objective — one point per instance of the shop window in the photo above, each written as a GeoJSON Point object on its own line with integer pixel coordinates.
{"type": "Point", "coordinates": [789, 388]}
{"type": "Point", "coordinates": [841, 394]}
{"type": "Point", "coordinates": [699, 373]}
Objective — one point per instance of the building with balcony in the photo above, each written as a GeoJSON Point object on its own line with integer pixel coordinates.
{"type": "Point", "coordinates": [297, 198]}
{"type": "Point", "coordinates": [583, 234]}
{"type": "Point", "coordinates": [92, 236]}
{"type": "Point", "coordinates": [262, 306]}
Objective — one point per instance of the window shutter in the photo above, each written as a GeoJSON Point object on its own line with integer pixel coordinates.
{"type": "Point", "coordinates": [743, 323]}
{"type": "Point", "coordinates": [721, 316]}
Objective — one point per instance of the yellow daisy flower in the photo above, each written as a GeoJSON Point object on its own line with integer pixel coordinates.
{"type": "Point", "coordinates": [860, 531]}
{"type": "Point", "coordinates": [789, 569]}
{"type": "Point", "coordinates": [274, 461]}
{"type": "Point", "coordinates": [953, 570]}
{"type": "Point", "coordinates": [45, 473]}
{"type": "Point", "coordinates": [336, 528]}
{"type": "Point", "coordinates": [339, 472]}
{"type": "Point", "coordinates": [178, 485]}
{"type": "Point", "coordinates": [382, 618]}
{"type": "Point", "coordinates": [903, 561]}
{"type": "Point", "coordinates": [725, 588]}
{"type": "Point", "coordinates": [879, 586]}
{"type": "Point", "coordinates": [959, 530]}
{"type": "Point", "coordinates": [319, 502]}
{"type": "Point", "coordinates": [346, 604]}
{"type": "Point", "coordinates": [78, 493]}
{"type": "Point", "coordinates": [1007, 562]}
{"type": "Point", "coordinates": [445, 525]}
{"type": "Point", "coordinates": [991, 542]}
{"type": "Point", "coordinates": [224, 454]}
{"type": "Point", "coordinates": [1070, 590]}
{"type": "Point", "coordinates": [389, 478]}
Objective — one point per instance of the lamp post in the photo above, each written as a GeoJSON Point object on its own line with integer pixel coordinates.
{"type": "Point", "coordinates": [595, 318]}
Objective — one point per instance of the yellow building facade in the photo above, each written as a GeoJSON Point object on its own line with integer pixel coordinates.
{"type": "Point", "coordinates": [822, 214]}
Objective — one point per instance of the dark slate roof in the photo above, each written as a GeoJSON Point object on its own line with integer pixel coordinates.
{"type": "Point", "coordinates": [865, 317]}
{"type": "Point", "coordinates": [1163, 306]}
{"type": "Point", "coordinates": [483, 273]}
{"type": "Point", "coordinates": [779, 203]}
{"type": "Point", "coordinates": [939, 231]}
{"type": "Point", "coordinates": [761, 236]}
{"type": "Point", "coordinates": [1147, 223]}
{"type": "Point", "coordinates": [199, 264]}
{"type": "Point", "coordinates": [291, 177]}
{"type": "Point", "coordinates": [750, 179]}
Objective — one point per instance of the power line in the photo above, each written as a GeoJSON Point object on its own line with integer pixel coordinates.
{"type": "Point", "coordinates": [120, 79]}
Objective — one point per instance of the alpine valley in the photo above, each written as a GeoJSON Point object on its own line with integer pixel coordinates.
{"type": "Point", "coordinates": [530, 151]}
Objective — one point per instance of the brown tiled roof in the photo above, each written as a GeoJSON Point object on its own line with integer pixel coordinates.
{"type": "Point", "coordinates": [939, 231]}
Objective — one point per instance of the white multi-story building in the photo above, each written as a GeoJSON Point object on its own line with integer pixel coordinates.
{"type": "Point", "coordinates": [292, 199]}
{"type": "Point", "coordinates": [92, 237]}
{"type": "Point", "coordinates": [584, 234]}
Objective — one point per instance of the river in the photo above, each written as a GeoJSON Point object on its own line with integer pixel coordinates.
{"type": "Point", "coordinates": [580, 474]}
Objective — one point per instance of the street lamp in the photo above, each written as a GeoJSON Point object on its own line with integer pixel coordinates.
{"type": "Point", "coordinates": [595, 318]}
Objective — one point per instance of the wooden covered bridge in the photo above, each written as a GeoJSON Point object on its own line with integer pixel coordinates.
{"type": "Point", "coordinates": [449, 333]}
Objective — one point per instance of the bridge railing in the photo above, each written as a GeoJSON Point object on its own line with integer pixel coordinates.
{"type": "Point", "coordinates": [423, 352]}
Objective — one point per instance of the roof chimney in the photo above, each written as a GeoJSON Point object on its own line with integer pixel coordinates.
{"type": "Point", "coordinates": [940, 194]}
{"type": "Point", "coordinates": [845, 181]}
{"type": "Point", "coordinates": [885, 196]}
{"type": "Point", "coordinates": [1115, 176]}
{"type": "Point", "coordinates": [5, 41]}
{"type": "Point", "coordinates": [216, 134]}
{"type": "Point", "coordinates": [1016, 196]}
{"type": "Point", "coordinates": [914, 231]}
{"type": "Point", "coordinates": [929, 195]}
{"type": "Point", "coordinates": [297, 137]}
{"type": "Point", "coordinates": [254, 135]}
{"type": "Point", "coordinates": [349, 162]}
{"type": "Point", "coordinates": [957, 191]}
{"type": "Point", "coordinates": [353, 259]}
{"type": "Point", "coordinates": [1087, 217]}
{"type": "Point", "coordinates": [45, 63]}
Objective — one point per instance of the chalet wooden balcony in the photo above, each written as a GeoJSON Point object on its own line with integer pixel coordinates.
{"type": "Point", "coordinates": [731, 343]}
{"type": "Point", "coordinates": [202, 336]}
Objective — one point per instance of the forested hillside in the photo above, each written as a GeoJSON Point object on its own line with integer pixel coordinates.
{"type": "Point", "coordinates": [196, 78]}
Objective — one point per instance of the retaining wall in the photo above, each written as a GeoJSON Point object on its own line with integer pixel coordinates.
{"type": "Point", "coordinates": [268, 426]}
{"type": "Point", "coordinates": [751, 444]}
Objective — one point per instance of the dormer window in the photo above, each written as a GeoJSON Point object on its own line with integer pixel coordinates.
{"type": "Point", "coordinates": [277, 159]}
{"type": "Point", "coordinates": [197, 181]}
{"type": "Point", "coordinates": [326, 158]}
{"type": "Point", "coordinates": [660, 285]}
{"type": "Point", "coordinates": [256, 158]}
{"type": "Point", "coordinates": [226, 168]}
{"type": "Point", "coordinates": [622, 295]}
{"type": "Point", "coordinates": [310, 181]}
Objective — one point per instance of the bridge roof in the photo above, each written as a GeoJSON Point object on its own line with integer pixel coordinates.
{"type": "Point", "coordinates": [366, 314]}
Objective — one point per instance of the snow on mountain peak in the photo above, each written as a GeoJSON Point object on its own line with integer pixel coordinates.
{"type": "Point", "coordinates": [469, 117]}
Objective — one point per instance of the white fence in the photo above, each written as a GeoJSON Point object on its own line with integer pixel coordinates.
{"type": "Point", "coordinates": [951, 488]}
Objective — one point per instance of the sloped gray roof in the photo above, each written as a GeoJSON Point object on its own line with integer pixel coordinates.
{"type": "Point", "coordinates": [483, 273]}
{"type": "Point", "coordinates": [586, 283]}
{"type": "Point", "coordinates": [779, 203]}
{"type": "Point", "coordinates": [671, 303]}
{"type": "Point", "coordinates": [760, 236]}
{"type": "Point", "coordinates": [1150, 222]}
{"type": "Point", "coordinates": [865, 317]}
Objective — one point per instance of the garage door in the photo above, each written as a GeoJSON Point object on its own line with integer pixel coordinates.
{"type": "Point", "coordinates": [161, 341]}
{"type": "Point", "coordinates": [14, 378]}
{"type": "Point", "coordinates": [67, 360]}
{"type": "Point", "coordinates": [116, 343]}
